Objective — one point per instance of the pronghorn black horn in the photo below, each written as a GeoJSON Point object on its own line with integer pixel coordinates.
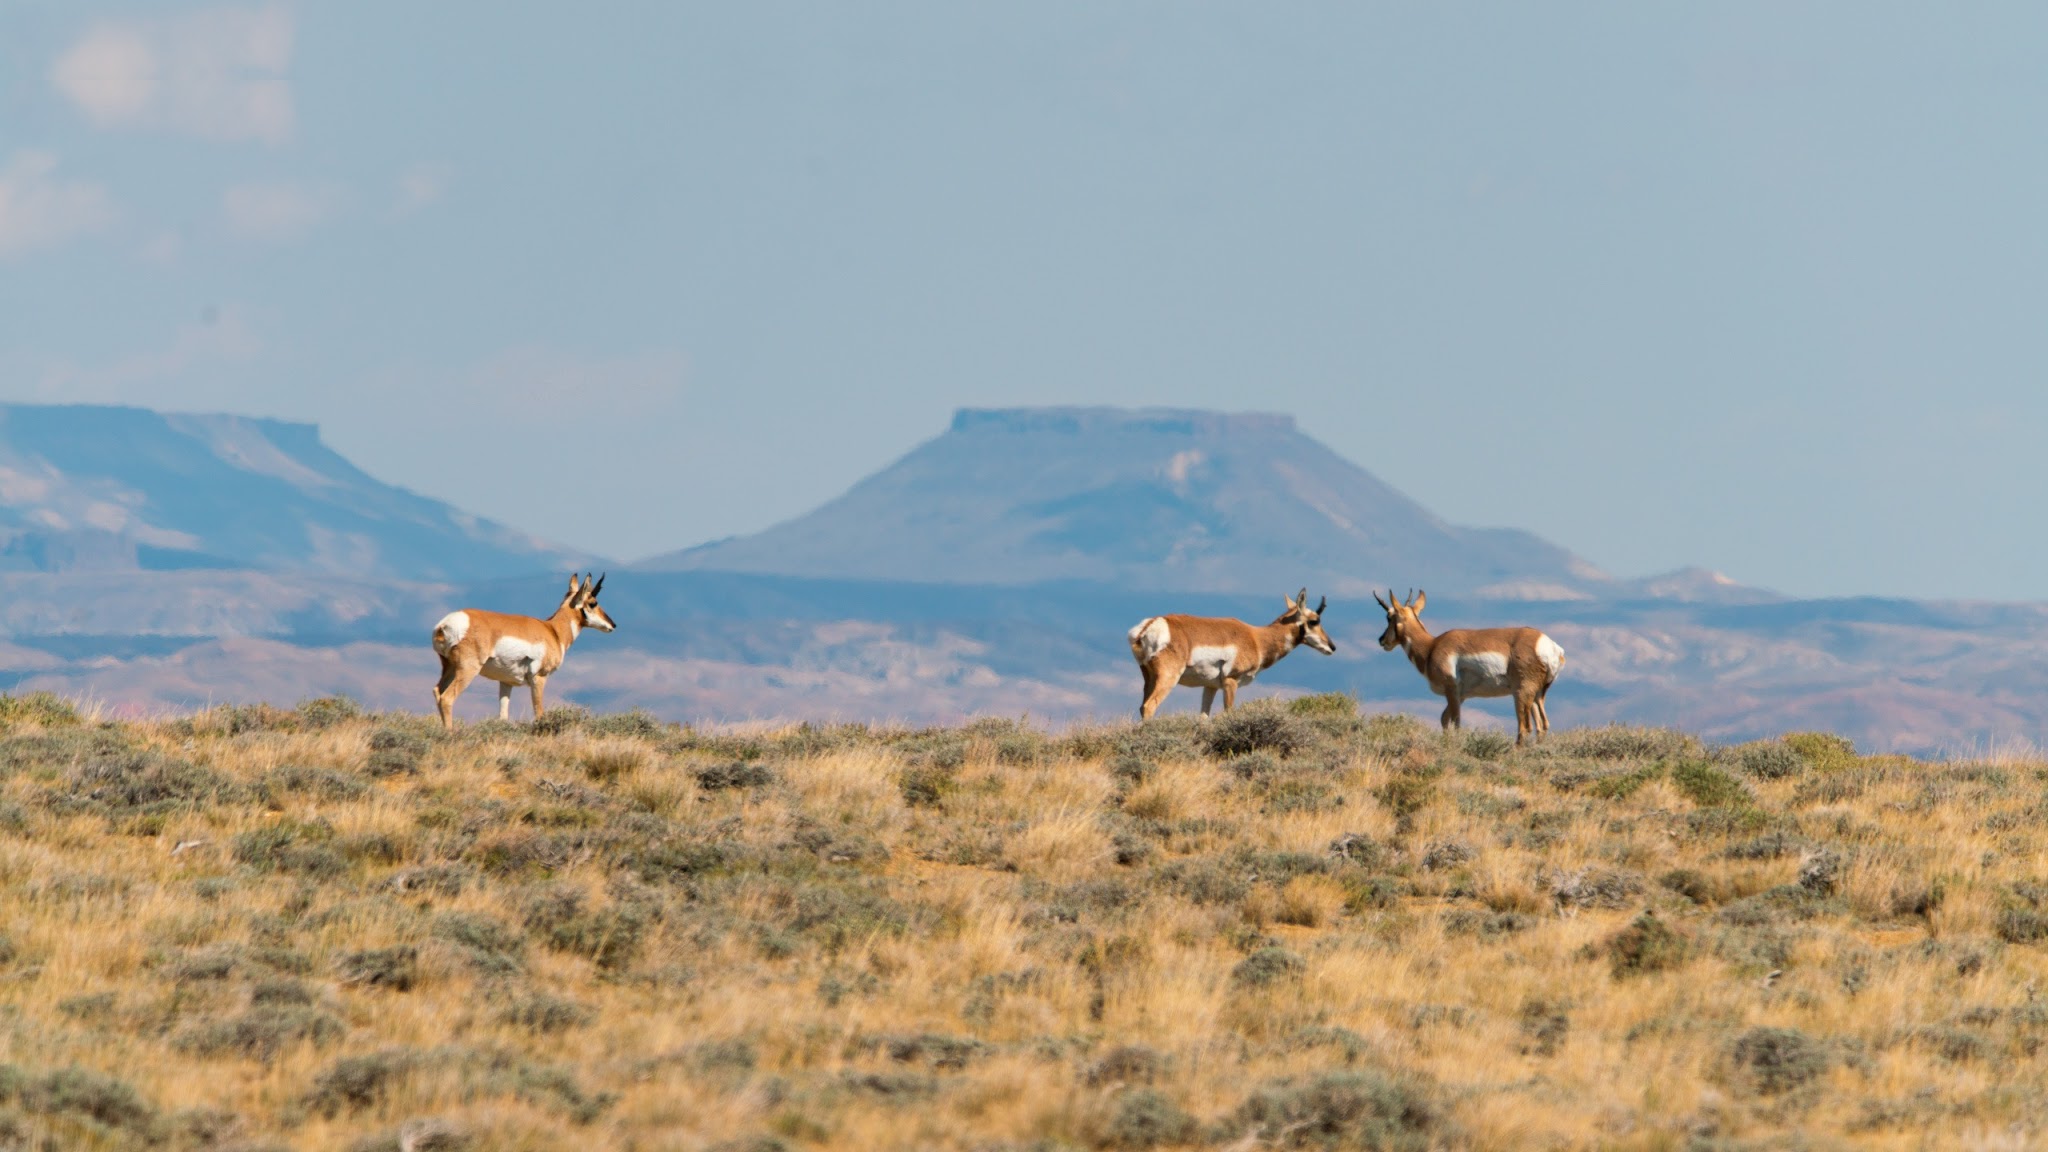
{"type": "Point", "coordinates": [1322, 603]}
{"type": "Point", "coordinates": [596, 588]}
{"type": "Point", "coordinates": [1382, 603]}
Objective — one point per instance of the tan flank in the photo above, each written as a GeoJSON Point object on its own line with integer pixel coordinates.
{"type": "Point", "coordinates": [512, 650]}
{"type": "Point", "coordinates": [1212, 652]}
{"type": "Point", "coordinates": [1465, 663]}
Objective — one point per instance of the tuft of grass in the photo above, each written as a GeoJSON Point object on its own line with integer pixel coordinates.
{"type": "Point", "coordinates": [1346, 1110]}
{"type": "Point", "coordinates": [610, 760]}
{"type": "Point", "coordinates": [37, 709]}
{"type": "Point", "coordinates": [1324, 704]}
{"type": "Point", "coordinates": [1622, 785]}
{"type": "Point", "coordinates": [1545, 1025]}
{"type": "Point", "coordinates": [1146, 1118]}
{"type": "Point", "coordinates": [1770, 759]}
{"type": "Point", "coordinates": [356, 1083]}
{"type": "Point", "coordinates": [396, 752]}
{"type": "Point", "coordinates": [560, 719]}
{"type": "Point", "coordinates": [263, 1032]}
{"type": "Point", "coordinates": [2023, 914]}
{"type": "Point", "coordinates": [1777, 1060]}
{"type": "Point", "coordinates": [395, 968]}
{"type": "Point", "coordinates": [739, 774]}
{"type": "Point", "coordinates": [328, 711]}
{"type": "Point", "coordinates": [74, 1093]}
{"type": "Point", "coordinates": [1266, 967]}
{"type": "Point", "coordinates": [1261, 726]}
{"type": "Point", "coordinates": [1823, 751]}
{"type": "Point", "coordinates": [1708, 786]}
{"type": "Point", "coordinates": [546, 1015]}
{"type": "Point", "coordinates": [1647, 945]}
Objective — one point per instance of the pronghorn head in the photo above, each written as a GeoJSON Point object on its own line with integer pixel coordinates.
{"type": "Point", "coordinates": [1308, 624]}
{"type": "Point", "coordinates": [1402, 619]}
{"type": "Point", "coordinates": [582, 600]}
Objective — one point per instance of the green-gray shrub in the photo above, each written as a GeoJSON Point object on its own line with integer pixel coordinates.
{"type": "Point", "coordinates": [42, 709]}
{"type": "Point", "coordinates": [1351, 1109]}
{"type": "Point", "coordinates": [1646, 945]}
{"type": "Point", "coordinates": [1778, 1060]}
{"type": "Point", "coordinates": [1708, 786]}
{"type": "Point", "coordinates": [1266, 967]}
{"type": "Point", "coordinates": [1146, 1118]}
{"type": "Point", "coordinates": [1262, 726]}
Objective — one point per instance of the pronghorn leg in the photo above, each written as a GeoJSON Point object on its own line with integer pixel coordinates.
{"type": "Point", "coordinates": [1208, 698]}
{"type": "Point", "coordinates": [504, 701]}
{"type": "Point", "coordinates": [1525, 718]}
{"type": "Point", "coordinates": [1161, 681]}
{"type": "Point", "coordinates": [1450, 717]}
{"type": "Point", "coordinates": [1229, 693]}
{"type": "Point", "coordinates": [454, 678]}
{"type": "Point", "coordinates": [1145, 704]}
{"type": "Point", "coordinates": [540, 684]}
{"type": "Point", "coordinates": [1543, 711]}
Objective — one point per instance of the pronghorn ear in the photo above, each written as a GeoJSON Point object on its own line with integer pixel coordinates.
{"type": "Point", "coordinates": [1420, 599]}
{"type": "Point", "coordinates": [575, 586]}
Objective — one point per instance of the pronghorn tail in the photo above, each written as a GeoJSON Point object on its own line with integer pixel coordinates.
{"type": "Point", "coordinates": [450, 631]}
{"type": "Point", "coordinates": [1150, 638]}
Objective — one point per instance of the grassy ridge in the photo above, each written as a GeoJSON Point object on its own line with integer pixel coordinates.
{"type": "Point", "coordinates": [1293, 927]}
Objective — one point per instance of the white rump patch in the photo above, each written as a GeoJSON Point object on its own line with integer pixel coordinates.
{"type": "Point", "coordinates": [1150, 638]}
{"type": "Point", "coordinates": [1209, 665]}
{"type": "Point", "coordinates": [450, 631]}
{"type": "Point", "coordinates": [1481, 674]}
{"type": "Point", "coordinates": [1551, 655]}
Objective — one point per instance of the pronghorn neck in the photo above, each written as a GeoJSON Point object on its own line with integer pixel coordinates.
{"type": "Point", "coordinates": [565, 624]}
{"type": "Point", "coordinates": [1282, 637]}
{"type": "Point", "coordinates": [1419, 644]}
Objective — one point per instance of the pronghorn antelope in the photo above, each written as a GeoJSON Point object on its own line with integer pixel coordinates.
{"type": "Point", "coordinates": [1464, 663]}
{"type": "Point", "coordinates": [512, 649]}
{"type": "Point", "coordinates": [1212, 652]}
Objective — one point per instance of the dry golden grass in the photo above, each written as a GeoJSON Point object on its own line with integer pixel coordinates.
{"type": "Point", "coordinates": [310, 929]}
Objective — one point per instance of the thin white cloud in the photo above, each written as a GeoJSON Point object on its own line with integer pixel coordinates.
{"type": "Point", "coordinates": [39, 210]}
{"type": "Point", "coordinates": [420, 186]}
{"type": "Point", "coordinates": [163, 248]}
{"type": "Point", "coordinates": [198, 351]}
{"type": "Point", "coordinates": [218, 74]}
{"type": "Point", "coordinates": [273, 212]}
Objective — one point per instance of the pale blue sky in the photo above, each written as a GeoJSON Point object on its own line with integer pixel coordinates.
{"type": "Point", "coordinates": [1761, 287]}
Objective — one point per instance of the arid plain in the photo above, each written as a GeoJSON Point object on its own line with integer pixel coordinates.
{"type": "Point", "coordinates": [1297, 926]}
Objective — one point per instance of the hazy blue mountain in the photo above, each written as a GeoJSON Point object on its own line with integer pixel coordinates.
{"type": "Point", "coordinates": [106, 488]}
{"type": "Point", "coordinates": [1161, 499]}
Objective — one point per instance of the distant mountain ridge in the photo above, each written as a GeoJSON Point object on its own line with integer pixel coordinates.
{"type": "Point", "coordinates": [89, 487]}
{"type": "Point", "coordinates": [152, 562]}
{"type": "Point", "coordinates": [1158, 498]}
